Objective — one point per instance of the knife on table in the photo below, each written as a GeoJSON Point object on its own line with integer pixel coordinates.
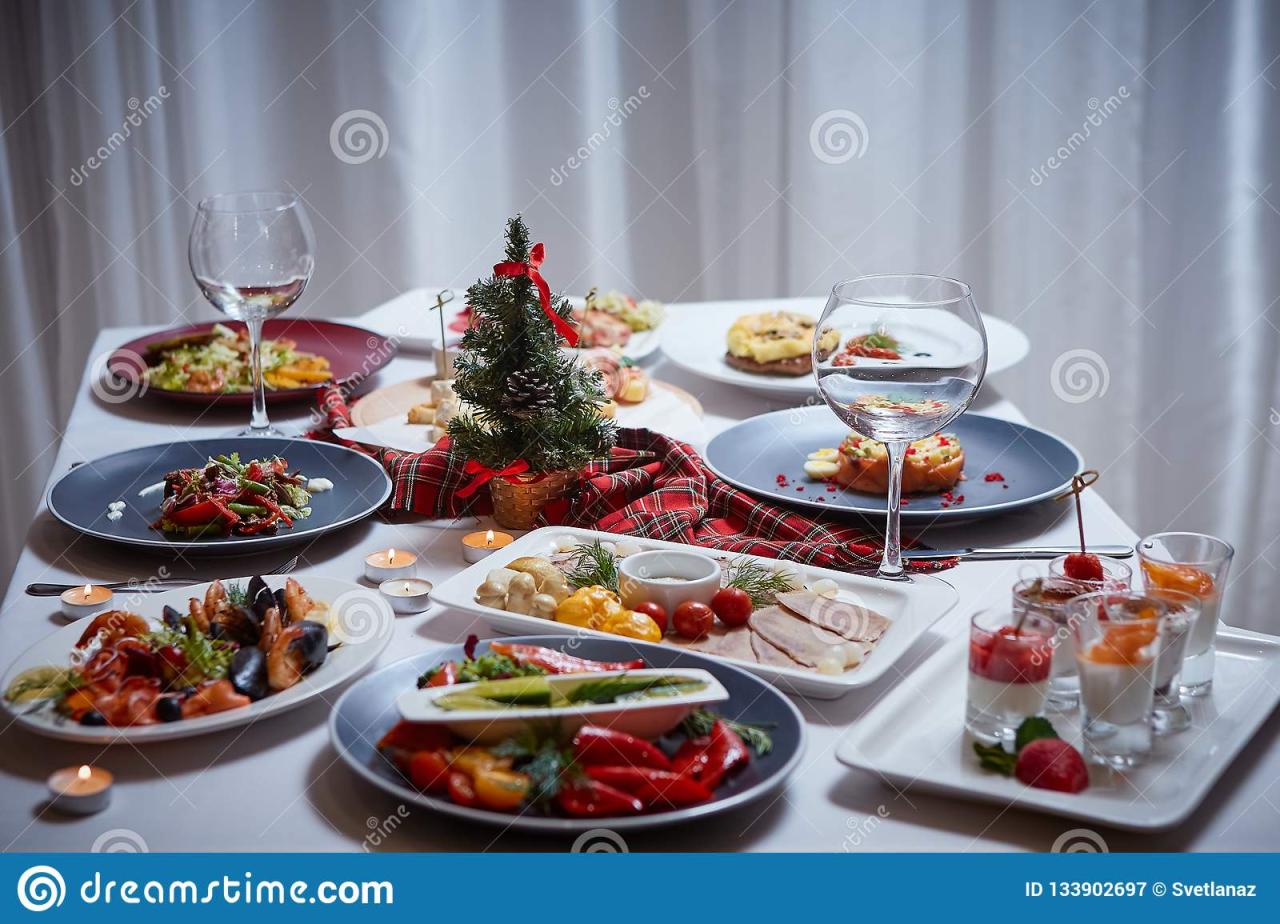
{"type": "Point", "coordinates": [1015, 553]}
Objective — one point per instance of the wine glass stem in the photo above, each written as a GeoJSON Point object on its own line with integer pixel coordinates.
{"type": "Point", "coordinates": [891, 562]}
{"type": "Point", "coordinates": [259, 420]}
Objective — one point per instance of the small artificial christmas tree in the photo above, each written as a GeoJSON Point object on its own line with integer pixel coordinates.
{"type": "Point", "coordinates": [529, 405]}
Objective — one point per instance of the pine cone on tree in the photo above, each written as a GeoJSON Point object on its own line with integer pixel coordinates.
{"type": "Point", "coordinates": [527, 394]}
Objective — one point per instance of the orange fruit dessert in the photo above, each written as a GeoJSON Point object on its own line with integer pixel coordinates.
{"type": "Point", "coordinates": [1171, 576]}
{"type": "Point", "coordinates": [1122, 644]}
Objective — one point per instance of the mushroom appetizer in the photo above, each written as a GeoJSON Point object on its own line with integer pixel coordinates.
{"type": "Point", "coordinates": [235, 645]}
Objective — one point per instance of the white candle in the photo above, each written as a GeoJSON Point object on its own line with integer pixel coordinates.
{"type": "Point", "coordinates": [79, 602]}
{"type": "Point", "coordinates": [390, 564]}
{"type": "Point", "coordinates": [412, 595]}
{"type": "Point", "coordinates": [476, 546]}
{"type": "Point", "coordinates": [80, 790]}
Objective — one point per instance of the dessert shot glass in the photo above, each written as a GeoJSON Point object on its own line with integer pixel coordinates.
{"type": "Point", "coordinates": [1116, 574]}
{"type": "Point", "coordinates": [1010, 660]}
{"type": "Point", "coordinates": [1049, 597]}
{"type": "Point", "coordinates": [1196, 564]}
{"type": "Point", "coordinates": [1168, 714]}
{"type": "Point", "coordinates": [1118, 637]}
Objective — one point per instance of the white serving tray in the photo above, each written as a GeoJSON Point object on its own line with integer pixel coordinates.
{"type": "Point", "coordinates": [911, 607]}
{"type": "Point", "coordinates": [914, 738]}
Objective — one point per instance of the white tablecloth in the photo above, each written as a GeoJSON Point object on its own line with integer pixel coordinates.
{"type": "Point", "coordinates": [280, 786]}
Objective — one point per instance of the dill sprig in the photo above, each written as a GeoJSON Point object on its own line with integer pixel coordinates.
{"type": "Point", "coordinates": [207, 658]}
{"type": "Point", "coordinates": [756, 737]}
{"type": "Point", "coordinates": [760, 582]}
{"type": "Point", "coordinates": [593, 564]}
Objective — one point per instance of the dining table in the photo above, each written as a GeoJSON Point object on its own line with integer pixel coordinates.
{"type": "Point", "coordinates": [278, 784]}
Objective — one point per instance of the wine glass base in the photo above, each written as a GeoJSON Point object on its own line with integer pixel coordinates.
{"type": "Point", "coordinates": [902, 577]}
{"type": "Point", "coordinates": [261, 431]}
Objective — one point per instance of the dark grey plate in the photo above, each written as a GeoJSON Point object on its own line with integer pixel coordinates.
{"type": "Point", "coordinates": [80, 497]}
{"type": "Point", "coordinates": [1036, 465]}
{"type": "Point", "coordinates": [367, 710]}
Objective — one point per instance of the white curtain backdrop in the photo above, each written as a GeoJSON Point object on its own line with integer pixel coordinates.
{"type": "Point", "coordinates": [1101, 173]}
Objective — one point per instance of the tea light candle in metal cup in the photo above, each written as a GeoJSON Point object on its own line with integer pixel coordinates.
{"type": "Point", "coordinates": [79, 602]}
{"type": "Point", "coordinates": [407, 595]}
{"type": "Point", "coordinates": [476, 546]}
{"type": "Point", "coordinates": [81, 790]}
{"type": "Point", "coordinates": [389, 565]}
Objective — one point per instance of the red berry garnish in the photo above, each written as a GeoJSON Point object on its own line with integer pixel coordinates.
{"type": "Point", "coordinates": [1083, 566]}
{"type": "Point", "coordinates": [1051, 763]}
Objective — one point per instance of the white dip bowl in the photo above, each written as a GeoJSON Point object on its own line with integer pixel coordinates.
{"type": "Point", "coordinates": [667, 577]}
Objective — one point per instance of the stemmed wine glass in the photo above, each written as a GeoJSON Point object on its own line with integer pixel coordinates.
{"type": "Point", "coordinates": [942, 349]}
{"type": "Point", "coordinates": [252, 254]}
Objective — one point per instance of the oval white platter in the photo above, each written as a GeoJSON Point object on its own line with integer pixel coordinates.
{"type": "Point", "coordinates": [410, 319]}
{"type": "Point", "coordinates": [694, 336]}
{"type": "Point", "coordinates": [911, 607]}
{"type": "Point", "coordinates": [366, 623]}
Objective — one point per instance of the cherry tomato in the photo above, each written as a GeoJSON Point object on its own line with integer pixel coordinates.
{"type": "Point", "coordinates": [655, 612]}
{"type": "Point", "coordinates": [693, 620]}
{"type": "Point", "coordinates": [460, 789]}
{"type": "Point", "coordinates": [732, 605]}
{"type": "Point", "coordinates": [429, 770]}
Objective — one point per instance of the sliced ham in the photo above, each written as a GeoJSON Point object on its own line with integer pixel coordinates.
{"type": "Point", "coordinates": [723, 643]}
{"type": "Point", "coordinates": [804, 642]}
{"type": "Point", "coordinates": [771, 655]}
{"type": "Point", "coordinates": [848, 620]}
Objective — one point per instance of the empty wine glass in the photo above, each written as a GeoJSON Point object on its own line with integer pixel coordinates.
{"type": "Point", "coordinates": [252, 254]}
{"type": "Point", "coordinates": [913, 354]}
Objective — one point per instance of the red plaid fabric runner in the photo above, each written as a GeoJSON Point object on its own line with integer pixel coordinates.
{"type": "Point", "coordinates": [651, 486]}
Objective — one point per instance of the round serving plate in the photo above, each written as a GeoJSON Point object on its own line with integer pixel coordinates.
{"type": "Point", "coordinates": [354, 354]}
{"type": "Point", "coordinates": [380, 417]}
{"type": "Point", "coordinates": [365, 624]}
{"type": "Point", "coordinates": [694, 337]}
{"type": "Point", "coordinates": [1034, 465]}
{"type": "Point", "coordinates": [80, 497]}
{"type": "Point", "coordinates": [367, 710]}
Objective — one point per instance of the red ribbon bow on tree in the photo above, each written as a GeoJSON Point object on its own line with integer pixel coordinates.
{"type": "Point", "coordinates": [530, 269]}
{"type": "Point", "coordinates": [484, 474]}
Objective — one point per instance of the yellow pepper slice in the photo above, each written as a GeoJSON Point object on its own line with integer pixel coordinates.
{"type": "Point", "coordinates": [633, 625]}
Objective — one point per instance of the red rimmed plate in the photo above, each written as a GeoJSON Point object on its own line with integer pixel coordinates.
{"type": "Point", "coordinates": [354, 353]}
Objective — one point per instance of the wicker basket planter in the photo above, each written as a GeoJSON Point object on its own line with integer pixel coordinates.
{"type": "Point", "coordinates": [517, 502]}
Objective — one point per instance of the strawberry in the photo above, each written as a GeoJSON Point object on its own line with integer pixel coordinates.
{"type": "Point", "coordinates": [1083, 566]}
{"type": "Point", "coordinates": [1051, 763]}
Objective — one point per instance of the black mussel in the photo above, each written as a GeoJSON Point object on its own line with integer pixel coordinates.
{"type": "Point", "coordinates": [93, 717]}
{"type": "Point", "coordinates": [248, 673]}
{"type": "Point", "coordinates": [311, 645]}
{"type": "Point", "coordinates": [259, 595]}
{"type": "Point", "coordinates": [168, 709]}
{"type": "Point", "coordinates": [173, 618]}
{"type": "Point", "coordinates": [281, 605]}
{"type": "Point", "coordinates": [301, 647]}
{"type": "Point", "coordinates": [237, 624]}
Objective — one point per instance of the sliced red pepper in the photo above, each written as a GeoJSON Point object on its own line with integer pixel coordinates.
{"type": "Point", "coordinates": [594, 745]}
{"type": "Point", "coordinates": [655, 788]}
{"type": "Point", "coordinates": [592, 799]}
{"type": "Point", "coordinates": [557, 662]}
{"type": "Point", "coordinates": [406, 738]}
{"type": "Point", "coordinates": [429, 770]}
{"type": "Point", "coordinates": [725, 752]}
{"type": "Point", "coordinates": [691, 757]}
{"type": "Point", "coordinates": [199, 514]}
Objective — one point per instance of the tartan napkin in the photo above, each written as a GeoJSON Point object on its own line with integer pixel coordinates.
{"type": "Point", "coordinates": [650, 486]}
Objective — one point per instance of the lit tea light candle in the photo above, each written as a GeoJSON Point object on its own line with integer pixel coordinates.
{"type": "Point", "coordinates": [476, 546]}
{"type": "Point", "coordinates": [79, 602]}
{"type": "Point", "coordinates": [411, 595]}
{"type": "Point", "coordinates": [390, 564]}
{"type": "Point", "coordinates": [80, 790]}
